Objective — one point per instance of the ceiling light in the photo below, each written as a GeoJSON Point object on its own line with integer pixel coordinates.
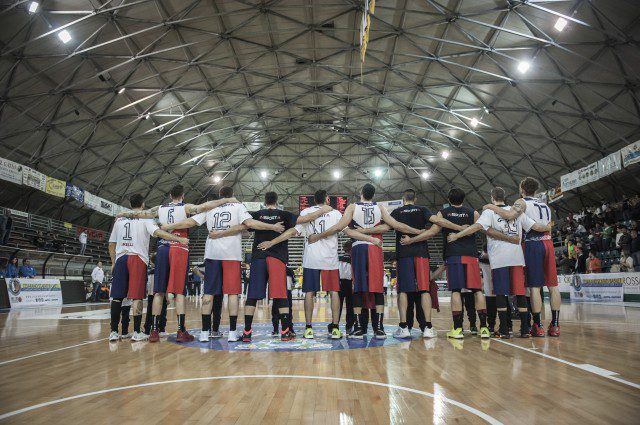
{"type": "Point", "coordinates": [336, 174]}
{"type": "Point", "coordinates": [147, 116]}
{"type": "Point", "coordinates": [122, 89]}
{"type": "Point", "coordinates": [64, 36]}
{"type": "Point", "coordinates": [33, 6]}
{"type": "Point", "coordinates": [263, 174]}
{"type": "Point", "coordinates": [474, 122]}
{"type": "Point", "coordinates": [445, 154]}
{"type": "Point", "coordinates": [377, 173]}
{"type": "Point", "coordinates": [560, 24]}
{"type": "Point", "coordinates": [425, 175]}
{"type": "Point", "coordinates": [216, 179]}
{"type": "Point", "coordinates": [523, 66]}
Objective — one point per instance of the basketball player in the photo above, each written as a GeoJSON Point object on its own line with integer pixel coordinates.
{"type": "Point", "coordinates": [223, 256]}
{"type": "Point", "coordinates": [539, 255]}
{"type": "Point", "coordinates": [346, 286]}
{"type": "Point", "coordinates": [172, 259]}
{"type": "Point", "coordinates": [461, 259]}
{"type": "Point", "coordinates": [319, 260]}
{"type": "Point", "coordinates": [506, 259]}
{"type": "Point", "coordinates": [413, 259]}
{"type": "Point", "coordinates": [366, 258]}
{"type": "Point", "coordinates": [269, 264]}
{"type": "Point", "coordinates": [129, 251]}
{"type": "Point", "coordinates": [487, 288]}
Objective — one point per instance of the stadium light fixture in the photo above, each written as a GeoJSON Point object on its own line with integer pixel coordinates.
{"type": "Point", "coordinates": [64, 36]}
{"type": "Point", "coordinates": [560, 24]}
{"type": "Point", "coordinates": [377, 172]}
{"type": "Point", "coordinates": [147, 116]}
{"type": "Point", "coordinates": [425, 175]}
{"type": "Point", "coordinates": [122, 89]}
{"type": "Point", "coordinates": [474, 122]}
{"type": "Point", "coordinates": [523, 66]}
{"type": "Point", "coordinates": [445, 154]}
{"type": "Point", "coordinates": [216, 179]}
{"type": "Point", "coordinates": [336, 174]}
{"type": "Point", "coordinates": [263, 174]}
{"type": "Point", "coordinates": [33, 6]}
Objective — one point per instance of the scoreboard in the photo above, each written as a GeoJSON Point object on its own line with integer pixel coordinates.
{"type": "Point", "coordinates": [337, 202]}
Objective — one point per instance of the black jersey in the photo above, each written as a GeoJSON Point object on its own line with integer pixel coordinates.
{"type": "Point", "coordinates": [272, 216]}
{"type": "Point", "coordinates": [465, 246]}
{"type": "Point", "coordinates": [417, 217]}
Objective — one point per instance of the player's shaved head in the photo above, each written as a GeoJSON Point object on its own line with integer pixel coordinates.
{"type": "Point", "coordinates": [409, 195]}
{"type": "Point", "coordinates": [177, 191]}
{"type": "Point", "coordinates": [320, 196]}
{"type": "Point", "coordinates": [497, 194]}
{"type": "Point", "coordinates": [455, 196]}
{"type": "Point", "coordinates": [529, 186]}
{"type": "Point", "coordinates": [136, 200]}
{"type": "Point", "coordinates": [271, 198]}
{"type": "Point", "coordinates": [368, 191]}
{"type": "Point", "coordinates": [226, 192]}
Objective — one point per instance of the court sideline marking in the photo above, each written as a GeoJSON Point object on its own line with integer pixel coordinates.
{"type": "Point", "coordinates": [463, 406]}
{"type": "Point", "coordinates": [585, 366]}
{"type": "Point", "coordinates": [51, 351]}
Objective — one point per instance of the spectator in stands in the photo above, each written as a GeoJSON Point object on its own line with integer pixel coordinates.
{"type": "Point", "coordinates": [580, 230]}
{"type": "Point", "coordinates": [635, 248]}
{"type": "Point", "coordinates": [198, 277]}
{"type": "Point", "coordinates": [82, 238]}
{"type": "Point", "coordinates": [626, 262]}
{"type": "Point", "coordinates": [623, 239]}
{"type": "Point", "coordinates": [571, 249]}
{"type": "Point", "coordinates": [581, 259]}
{"type": "Point", "coordinates": [12, 268]}
{"type": "Point", "coordinates": [26, 269]}
{"type": "Point", "coordinates": [97, 278]}
{"type": "Point", "coordinates": [565, 264]}
{"type": "Point", "coordinates": [39, 241]}
{"type": "Point", "coordinates": [607, 235]}
{"type": "Point", "coordinates": [6, 223]}
{"type": "Point", "coordinates": [3, 267]}
{"type": "Point", "coordinates": [594, 265]}
{"type": "Point", "coordinates": [56, 243]}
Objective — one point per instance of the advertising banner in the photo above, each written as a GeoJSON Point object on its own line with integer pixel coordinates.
{"type": "Point", "coordinates": [92, 234]}
{"type": "Point", "coordinates": [74, 192]}
{"type": "Point", "coordinates": [588, 174]}
{"type": "Point", "coordinates": [631, 154]}
{"type": "Point", "coordinates": [597, 287]}
{"type": "Point", "coordinates": [55, 187]}
{"type": "Point", "coordinates": [33, 292]}
{"type": "Point", "coordinates": [609, 164]}
{"type": "Point", "coordinates": [569, 181]}
{"type": "Point", "coordinates": [391, 205]}
{"type": "Point", "coordinates": [11, 171]}
{"type": "Point", "coordinates": [97, 203]}
{"type": "Point", "coordinates": [252, 206]}
{"type": "Point", "coordinates": [33, 178]}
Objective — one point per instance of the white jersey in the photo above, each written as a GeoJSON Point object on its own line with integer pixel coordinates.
{"type": "Point", "coordinates": [322, 255]}
{"type": "Point", "coordinates": [131, 236]}
{"type": "Point", "coordinates": [222, 218]}
{"type": "Point", "coordinates": [169, 214]}
{"type": "Point", "coordinates": [366, 215]}
{"type": "Point", "coordinates": [344, 268]}
{"type": "Point", "coordinates": [487, 282]}
{"type": "Point", "coordinates": [502, 253]}
{"type": "Point", "coordinates": [540, 213]}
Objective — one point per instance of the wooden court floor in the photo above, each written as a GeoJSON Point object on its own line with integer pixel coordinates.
{"type": "Point", "coordinates": [57, 369]}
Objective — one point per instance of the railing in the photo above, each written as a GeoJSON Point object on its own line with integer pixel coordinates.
{"type": "Point", "coordinates": [53, 264]}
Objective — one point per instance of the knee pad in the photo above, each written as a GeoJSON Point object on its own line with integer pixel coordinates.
{"type": "Point", "coordinates": [251, 302]}
{"type": "Point", "coordinates": [379, 298]}
{"type": "Point", "coordinates": [501, 301]}
{"type": "Point", "coordinates": [521, 301]}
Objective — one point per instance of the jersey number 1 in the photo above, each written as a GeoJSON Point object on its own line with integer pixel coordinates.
{"type": "Point", "coordinates": [127, 232]}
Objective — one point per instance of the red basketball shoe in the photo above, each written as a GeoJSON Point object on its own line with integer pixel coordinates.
{"type": "Point", "coordinates": [184, 336]}
{"type": "Point", "coordinates": [554, 330]}
{"type": "Point", "coordinates": [154, 336]}
{"type": "Point", "coordinates": [537, 331]}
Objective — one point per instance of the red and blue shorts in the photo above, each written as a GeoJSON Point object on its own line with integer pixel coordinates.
{"type": "Point", "coordinates": [413, 274]}
{"type": "Point", "coordinates": [463, 272]}
{"type": "Point", "coordinates": [540, 260]}
{"type": "Point", "coordinates": [367, 264]}
{"type": "Point", "coordinates": [311, 280]}
{"type": "Point", "coordinates": [129, 278]}
{"type": "Point", "coordinates": [265, 270]}
{"type": "Point", "coordinates": [221, 277]}
{"type": "Point", "coordinates": [172, 268]}
{"type": "Point", "coordinates": [508, 280]}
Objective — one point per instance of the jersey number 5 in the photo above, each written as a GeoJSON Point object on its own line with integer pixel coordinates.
{"type": "Point", "coordinates": [368, 216]}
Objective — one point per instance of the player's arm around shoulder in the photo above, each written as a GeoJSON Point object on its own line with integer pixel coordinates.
{"type": "Point", "coordinates": [401, 227]}
{"type": "Point", "coordinates": [338, 227]}
{"type": "Point", "coordinates": [514, 212]}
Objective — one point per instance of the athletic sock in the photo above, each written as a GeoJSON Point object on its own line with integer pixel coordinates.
{"type": "Point", "coordinates": [154, 322]}
{"type": "Point", "coordinates": [233, 321]}
{"type": "Point", "coordinates": [457, 319]}
{"type": "Point", "coordinates": [374, 320]}
{"type": "Point", "coordinates": [482, 314]}
{"type": "Point", "coordinates": [536, 319]}
{"type": "Point", "coordinates": [359, 322]}
{"type": "Point", "coordinates": [137, 321]}
{"type": "Point", "coordinates": [525, 320]}
{"type": "Point", "coordinates": [116, 309]}
{"type": "Point", "coordinates": [308, 326]}
{"type": "Point", "coordinates": [206, 322]}
{"type": "Point", "coordinates": [181, 320]}
{"type": "Point", "coordinates": [429, 325]}
{"type": "Point", "coordinates": [403, 324]}
{"type": "Point", "coordinates": [125, 319]}
{"type": "Point", "coordinates": [248, 321]}
{"type": "Point", "coordinates": [504, 321]}
{"type": "Point", "coordinates": [554, 317]}
{"type": "Point", "coordinates": [285, 321]}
